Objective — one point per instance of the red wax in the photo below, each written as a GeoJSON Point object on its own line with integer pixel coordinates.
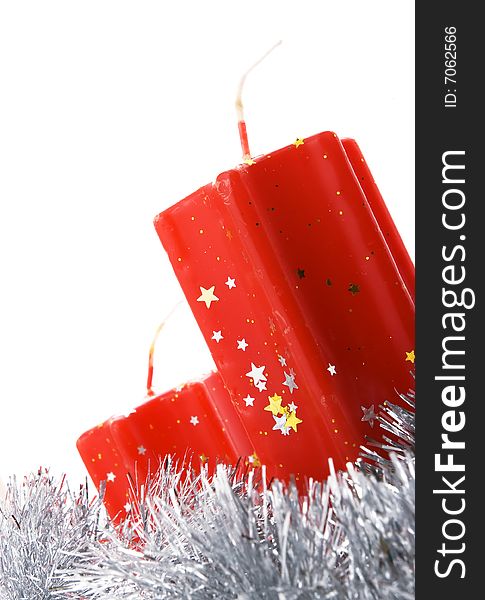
{"type": "Point", "coordinates": [195, 423]}
{"type": "Point", "coordinates": [304, 301]}
{"type": "Point", "coordinates": [381, 213]}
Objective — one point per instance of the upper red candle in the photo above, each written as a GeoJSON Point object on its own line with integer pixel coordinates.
{"type": "Point", "coordinates": [303, 304]}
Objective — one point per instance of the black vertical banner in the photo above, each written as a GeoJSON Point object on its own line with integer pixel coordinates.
{"type": "Point", "coordinates": [450, 267]}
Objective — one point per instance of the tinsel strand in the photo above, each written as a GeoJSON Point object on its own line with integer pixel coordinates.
{"type": "Point", "coordinates": [229, 536]}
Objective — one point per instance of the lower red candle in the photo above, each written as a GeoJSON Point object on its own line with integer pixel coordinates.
{"type": "Point", "coordinates": [195, 424]}
{"type": "Point", "coordinates": [306, 306]}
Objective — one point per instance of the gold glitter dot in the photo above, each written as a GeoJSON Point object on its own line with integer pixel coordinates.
{"type": "Point", "coordinates": [324, 156]}
{"type": "Point", "coordinates": [362, 160]}
{"type": "Point", "coordinates": [100, 456]}
{"type": "Point", "coordinates": [280, 465]}
{"type": "Point", "coordinates": [218, 258]}
{"type": "Point", "coordinates": [178, 420]}
{"type": "Point", "coordinates": [252, 321]}
{"type": "Point", "coordinates": [335, 430]}
{"type": "Point", "coordinates": [367, 258]}
{"type": "Point", "coordinates": [353, 445]}
{"type": "Point", "coordinates": [333, 420]}
{"type": "Point", "coordinates": [338, 193]}
{"type": "Point", "coordinates": [340, 212]}
{"type": "Point", "coordinates": [179, 259]}
{"type": "Point", "coordinates": [173, 399]}
{"type": "Point", "coordinates": [201, 231]}
{"type": "Point", "coordinates": [151, 426]}
{"type": "Point", "coordinates": [192, 218]}
{"type": "Point", "coordinates": [93, 460]}
{"type": "Point", "coordinates": [346, 458]}
{"type": "Point", "coordinates": [346, 443]}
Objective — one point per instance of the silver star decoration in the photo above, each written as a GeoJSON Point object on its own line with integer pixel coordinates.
{"type": "Point", "coordinates": [256, 374]}
{"type": "Point", "coordinates": [279, 423]}
{"type": "Point", "coordinates": [110, 476]}
{"type": "Point", "coordinates": [290, 382]}
{"type": "Point", "coordinates": [292, 407]}
{"type": "Point", "coordinates": [242, 345]}
{"type": "Point", "coordinates": [282, 360]}
{"type": "Point", "coordinates": [194, 421]}
{"type": "Point", "coordinates": [331, 369]}
{"type": "Point", "coordinates": [231, 283]}
{"type": "Point", "coordinates": [369, 415]}
{"type": "Point", "coordinates": [286, 430]}
{"type": "Point", "coordinates": [217, 336]}
{"type": "Point", "coordinates": [261, 385]}
{"type": "Point", "coordinates": [141, 450]}
{"type": "Point", "coordinates": [249, 400]}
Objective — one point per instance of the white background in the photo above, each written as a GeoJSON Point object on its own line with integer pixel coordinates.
{"type": "Point", "coordinates": [112, 111]}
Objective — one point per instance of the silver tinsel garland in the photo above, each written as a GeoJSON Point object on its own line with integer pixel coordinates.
{"type": "Point", "coordinates": [229, 536]}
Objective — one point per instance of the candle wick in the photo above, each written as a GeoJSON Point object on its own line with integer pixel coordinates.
{"type": "Point", "coordinates": [243, 134]}
{"type": "Point", "coordinates": [151, 352]}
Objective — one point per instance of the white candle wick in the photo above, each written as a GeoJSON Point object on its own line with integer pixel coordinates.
{"type": "Point", "coordinates": [240, 107]}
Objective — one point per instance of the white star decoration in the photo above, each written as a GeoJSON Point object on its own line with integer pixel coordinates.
{"type": "Point", "coordinates": [256, 373]}
{"type": "Point", "coordinates": [127, 507]}
{"type": "Point", "coordinates": [261, 385]}
{"type": "Point", "coordinates": [217, 336]}
{"type": "Point", "coordinates": [231, 283]}
{"type": "Point", "coordinates": [290, 382]}
{"type": "Point", "coordinates": [292, 407]}
{"type": "Point", "coordinates": [110, 476]}
{"type": "Point", "coordinates": [207, 295]}
{"type": "Point", "coordinates": [194, 421]}
{"type": "Point", "coordinates": [141, 450]}
{"type": "Point", "coordinates": [282, 360]}
{"type": "Point", "coordinates": [369, 414]}
{"type": "Point", "coordinates": [249, 400]}
{"type": "Point", "coordinates": [279, 423]}
{"type": "Point", "coordinates": [242, 345]}
{"type": "Point", "coordinates": [331, 369]}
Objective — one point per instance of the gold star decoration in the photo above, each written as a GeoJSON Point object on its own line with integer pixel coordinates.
{"type": "Point", "coordinates": [410, 356]}
{"type": "Point", "coordinates": [298, 142]}
{"type": "Point", "coordinates": [353, 289]}
{"type": "Point", "coordinates": [249, 161]}
{"type": "Point", "coordinates": [293, 421]}
{"type": "Point", "coordinates": [207, 296]}
{"type": "Point", "coordinates": [274, 404]}
{"type": "Point", "coordinates": [253, 460]}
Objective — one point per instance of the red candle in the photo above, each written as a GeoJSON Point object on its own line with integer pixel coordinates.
{"type": "Point", "coordinates": [195, 424]}
{"type": "Point", "coordinates": [304, 292]}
